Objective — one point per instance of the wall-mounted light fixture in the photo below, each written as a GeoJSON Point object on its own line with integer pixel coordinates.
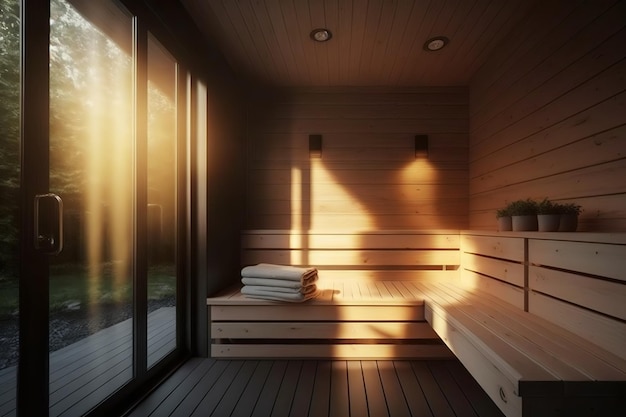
{"type": "Point", "coordinates": [315, 146]}
{"type": "Point", "coordinates": [421, 146]}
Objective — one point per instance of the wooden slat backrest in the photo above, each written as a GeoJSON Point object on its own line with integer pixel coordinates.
{"type": "Point", "coordinates": [582, 287]}
{"type": "Point", "coordinates": [495, 264]}
{"type": "Point", "coordinates": [375, 254]}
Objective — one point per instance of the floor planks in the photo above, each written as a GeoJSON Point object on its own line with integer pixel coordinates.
{"type": "Point", "coordinates": [316, 388]}
{"type": "Point", "coordinates": [86, 372]}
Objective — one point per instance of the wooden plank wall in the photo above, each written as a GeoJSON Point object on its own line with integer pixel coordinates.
{"type": "Point", "coordinates": [368, 177]}
{"type": "Point", "coordinates": [548, 115]}
{"type": "Point", "coordinates": [582, 287]}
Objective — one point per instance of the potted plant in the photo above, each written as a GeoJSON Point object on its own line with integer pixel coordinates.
{"type": "Point", "coordinates": [504, 220]}
{"type": "Point", "coordinates": [548, 216]}
{"type": "Point", "coordinates": [523, 215]}
{"type": "Point", "coordinates": [569, 216]}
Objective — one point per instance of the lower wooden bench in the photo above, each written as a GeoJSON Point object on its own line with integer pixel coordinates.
{"type": "Point", "coordinates": [527, 365]}
{"type": "Point", "coordinates": [348, 319]}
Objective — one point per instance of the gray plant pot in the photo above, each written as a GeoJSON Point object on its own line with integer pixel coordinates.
{"type": "Point", "coordinates": [525, 223]}
{"type": "Point", "coordinates": [568, 223]}
{"type": "Point", "coordinates": [505, 224]}
{"type": "Point", "coordinates": [548, 222]}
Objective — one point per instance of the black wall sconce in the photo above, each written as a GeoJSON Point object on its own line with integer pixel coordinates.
{"type": "Point", "coordinates": [315, 146]}
{"type": "Point", "coordinates": [421, 146]}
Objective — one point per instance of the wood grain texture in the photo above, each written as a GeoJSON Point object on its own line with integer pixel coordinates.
{"type": "Point", "coordinates": [546, 116]}
{"type": "Point", "coordinates": [321, 388]}
{"type": "Point", "coordinates": [598, 259]}
{"type": "Point", "coordinates": [604, 331]}
{"type": "Point", "coordinates": [368, 177]}
{"type": "Point", "coordinates": [374, 42]}
{"type": "Point", "coordinates": [600, 295]}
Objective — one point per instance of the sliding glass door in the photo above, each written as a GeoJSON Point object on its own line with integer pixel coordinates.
{"type": "Point", "coordinates": [164, 161]}
{"type": "Point", "coordinates": [100, 242]}
{"type": "Point", "coordinates": [91, 155]}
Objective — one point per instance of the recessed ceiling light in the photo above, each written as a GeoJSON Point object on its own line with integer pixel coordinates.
{"type": "Point", "coordinates": [321, 35]}
{"type": "Point", "coordinates": [436, 43]}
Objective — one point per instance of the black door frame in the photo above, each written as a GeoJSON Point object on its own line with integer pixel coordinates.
{"type": "Point", "coordinates": [33, 368]}
{"type": "Point", "coordinates": [33, 287]}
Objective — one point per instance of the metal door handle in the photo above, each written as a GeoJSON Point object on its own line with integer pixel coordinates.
{"type": "Point", "coordinates": [48, 223]}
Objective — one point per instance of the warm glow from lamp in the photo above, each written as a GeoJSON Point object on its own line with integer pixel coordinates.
{"type": "Point", "coordinates": [296, 214]}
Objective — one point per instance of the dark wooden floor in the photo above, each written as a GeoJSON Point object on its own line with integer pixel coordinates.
{"type": "Point", "coordinates": [238, 388]}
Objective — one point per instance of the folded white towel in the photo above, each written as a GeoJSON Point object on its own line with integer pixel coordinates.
{"type": "Point", "coordinates": [277, 296]}
{"type": "Point", "coordinates": [272, 271]}
{"type": "Point", "coordinates": [282, 283]}
{"type": "Point", "coordinates": [300, 290]}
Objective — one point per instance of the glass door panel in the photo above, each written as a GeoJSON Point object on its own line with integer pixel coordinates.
{"type": "Point", "coordinates": [162, 201]}
{"type": "Point", "coordinates": [9, 200]}
{"type": "Point", "coordinates": [91, 169]}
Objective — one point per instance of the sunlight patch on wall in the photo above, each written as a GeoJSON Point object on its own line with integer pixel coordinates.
{"type": "Point", "coordinates": [322, 190]}
{"type": "Point", "coordinates": [296, 216]}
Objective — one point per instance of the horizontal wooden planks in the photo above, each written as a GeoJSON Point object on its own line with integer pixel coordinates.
{"type": "Point", "coordinates": [332, 351]}
{"type": "Point", "coordinates": [511, 272]}
{"type": "Point", "coordinates": [366, 256]}
{"type": "Point", "coordinates": [323, 330]}
{"type": "Point", "coordinates": [606, 297]}
{"type": "Point", "coordinates": [512, 294]}
{"type": "Point", "coordinates": [587, 359]}
{"type": "Point", "coordinates": [396, 239]}
{"type": "Point", "coordinates": [491, 379]}
{"type": "Point", "coordinates": [551, 123]}
{"type": "Point", "coordinates": [368, 176]}
{"type": "Point", "coordinates": [601, 259]}
{"type": "Point", "coordinates": [601, 330]}
{"type": "Point", "coordinates": [604, 214]}
{"type": "Point", "coordinates": [517, 356]}
{"type": "Point", "coordinates": [354, 258]}
{"type": "Point", "coordinates": [495, 246]}
{"type": "Point", "coordinates": [349, 319]}
{"type": "Point", "coordinates": [496, 265]}
{"type": "Point", "coordinates": [349, 312]}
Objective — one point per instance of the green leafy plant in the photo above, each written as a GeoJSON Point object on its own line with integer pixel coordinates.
{"type": "Point", "coordinates": [546, 206]}
{"type": "Point", "coordinates": [503, 212]}
{"type": "Point", "coordinates": [526, 207]}
{"type": "Point", "coordinates": [569, 208]}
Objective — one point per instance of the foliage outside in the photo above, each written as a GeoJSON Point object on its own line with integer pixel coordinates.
{"type": "Point", "coordinates": [81, 96]}
{"type": "Point", "coordinates": [9, 136]}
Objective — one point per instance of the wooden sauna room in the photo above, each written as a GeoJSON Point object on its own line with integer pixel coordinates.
{"type": "Point", "coordinates": [375, 142]}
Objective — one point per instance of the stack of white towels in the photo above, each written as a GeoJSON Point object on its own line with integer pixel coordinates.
{"type": "Point", "coordinates": [279, 282]}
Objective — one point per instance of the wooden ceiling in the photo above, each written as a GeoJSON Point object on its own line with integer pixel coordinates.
{"type": "Point", "coordinates": [374, 42]}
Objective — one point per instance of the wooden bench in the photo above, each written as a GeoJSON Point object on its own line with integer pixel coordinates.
{"type": "Point", "coordinates": [364, 310]}
{"type": "Point", "coordinates": [538, 320]}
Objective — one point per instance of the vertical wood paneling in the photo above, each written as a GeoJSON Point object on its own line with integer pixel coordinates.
{"type": "Point", "coordinates": [547, 116]}
{"type": "Point", "coordinates": [368, 176]}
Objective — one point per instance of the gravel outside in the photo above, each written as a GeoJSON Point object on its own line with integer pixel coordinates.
{"type": "Point", "coordinates": [69, 326]}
